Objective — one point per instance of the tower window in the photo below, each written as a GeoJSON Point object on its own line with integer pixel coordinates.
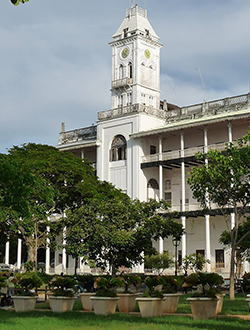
{"type": "Point", "coordinates": [118, 149]}
{"type": "Point", "coordinates": [147, 32]}
{"type": "Point", "coordinates": [125, 31]}
{"type": "Point", "coordinates": [130, 70]}
{"type": "Point", "coordinates": [121, 71]}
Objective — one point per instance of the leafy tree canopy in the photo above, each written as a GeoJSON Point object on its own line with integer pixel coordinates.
{"type": "Point", "coordinates": [225, 181]}
{"type": "Point", "coordinates": [114, 230]}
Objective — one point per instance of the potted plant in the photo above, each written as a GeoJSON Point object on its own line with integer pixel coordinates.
{"type": "Point", "coordinates": [105, 300]}
{"type": "Point", "coordinates": [26, 297]}
{"type": "Point", "coordinates": [63, 297]}
{"type": "Point", "coordinates": [204, 301]}
{"type": "Point", "coordinates": [126, 303]}
{"type": "Point", "coordinates": [150, 304]}
{"type": "Point", "coordinates": [171, 297]}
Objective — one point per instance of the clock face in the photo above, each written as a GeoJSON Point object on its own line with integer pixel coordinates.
{"type": "Point", "coordinates": [147, 53]}
{"type": "Point", "coordinates": [125, 52]}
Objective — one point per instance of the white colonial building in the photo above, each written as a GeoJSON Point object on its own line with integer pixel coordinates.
{"type": "Point", "coordinates": [146, 147]}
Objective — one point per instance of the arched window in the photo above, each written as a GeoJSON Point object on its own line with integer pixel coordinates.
{"type": "Point", "coordinates": [118, 149]}
{"type": "Point", "coordinates": [130, 70]}
{"type": "Point", "coordinates": [121, 71]}
{"type": "Point", "coordinates": [152, 189]}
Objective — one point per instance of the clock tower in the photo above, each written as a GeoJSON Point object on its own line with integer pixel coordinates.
{"type": "Point", "coordinates": [135, 62]}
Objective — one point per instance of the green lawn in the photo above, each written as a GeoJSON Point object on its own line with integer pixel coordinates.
{"type": "Point", "coordinates": [77, 320]}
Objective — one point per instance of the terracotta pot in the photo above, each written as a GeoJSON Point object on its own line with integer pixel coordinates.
{"type": "Point", "coordinates": [86, 302]}
{"type": "Point", "coordinates": [104, 305]}
{"type": "Point", "coordinates": [150, 307]}
{"type": "Point", "coordinates": [203, 307]}
{"type": "Point", "coordinates": [24, 303]}
{"type": "Point", "coordinates": [170, 302]}
{"type": "Point", "coordinates": [126, 303]}
{"type": "Point", "coordinates": [62, 304]}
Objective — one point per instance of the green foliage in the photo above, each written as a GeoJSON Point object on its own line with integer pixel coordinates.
{"type": "Point", "coordinates": [130, 280]}
{"type": "Point", "coordinates": [169, 284]}
{"type": "Point", "coordinates": [152, 282]}
{"type": "Point", "coordinates": [17, 2]}
{"type": "Point", "coordinates": [158, 261]}
{"type": "Point", "coordinates": [106, 287]}
{"type": "Point", "coordinates": [27, 281]}
{"type": "Point", "coordinates": [225, 181]}
{"type": "Point", "coordinates": [113, 230]}
{"type": "Point", "coordinates": [194, 262]}
{"type": "Point", "coordinates": [209, 282]}
{"type": "Point", "coordinates": [2, 281]}
{"type": "Point", "coordinates": [63, 286]}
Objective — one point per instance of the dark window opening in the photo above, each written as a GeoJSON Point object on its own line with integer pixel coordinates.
{"type": "Point", "coordinates": [219, 258]}
{"type": "Point", "coordinates": [152, 150]}
{"type": "Point", "coordinates": [118, 149]}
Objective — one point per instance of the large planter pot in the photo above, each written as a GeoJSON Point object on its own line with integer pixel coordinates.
{"type": "Point", "coordinates": [203, 307]}
{"type": "Point", "coordinates": [62, 304]}
{"type": "Point", "coordinates": [24, 303]}
{"type": "Point", "coordinates": [126, 303]}
{"type": "Point", "coordinates": [150, 307]}
{"type": "Point", "coordinates": [86, 302]}
{"type": "Point", "coordinates": [220, 297]}
{"type": "Point", "coordinates": [170, 302]}
{"type": "Point", "coordinates": [104, 305]}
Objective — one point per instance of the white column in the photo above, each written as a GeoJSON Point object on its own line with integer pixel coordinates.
{"type": "Point", "coordinates": [183, 197]}
{"type": "Point", "coordinates": [19, 253]}
{"type": "Point", "coordinates": [160, 187]}
{"type": "Point", "coordinates": [208, 245]}
{"type": "Point", "coordinates": [230, 132]}
{"type": "Point", "coordinates": [230, 139]}
{"type": "Point", "coordinates": [82, 154]}
{"type": "Point", "coordinates": [47, 260]}
{"type": "Point", "coordinates": [7, 251]}
{"type": "Point", "coordinates": [64, 256]}
{"type": "Point", "coordinates": [207, 216]}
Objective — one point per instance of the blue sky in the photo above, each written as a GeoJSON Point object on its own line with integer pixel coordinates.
{"type": "Point", "coordinates": [55, 61]}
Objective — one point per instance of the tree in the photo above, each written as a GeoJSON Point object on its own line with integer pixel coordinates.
{"type": "Point", "coordinates": [159, 262]}
{"type": "Point", "coordinates": [17, 2]}
{"type": "Point", "coordinates": [58, 181]}
{"type": "Point", "coordinates": [114, 231]}
{"type": "Point", "coordinates": [225, 181]}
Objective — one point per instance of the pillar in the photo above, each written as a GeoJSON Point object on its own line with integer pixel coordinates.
{"type": "Point", "coordinates": [160, 187]}
{"type": "Point", "coordinates": [7, 251]}
{"type": "Point", "coordinates": [47, 260]}
{"type": "Point", "coordinates": [183, 197]}
{"type": "Point", "coordinates": [64, 256]}
{"type": "Point", "coordinates": [19, 253]}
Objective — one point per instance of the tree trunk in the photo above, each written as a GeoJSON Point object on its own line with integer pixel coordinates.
{"type": "Point", "coordinates": [232, 266]}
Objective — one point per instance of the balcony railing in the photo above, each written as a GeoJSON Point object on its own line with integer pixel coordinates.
{"type": "Point", "coordinates": [175, 154]}
{"type": "Point", "coordinates": [124, 82]}
{"type": "Point", "coordinates": [87, 133]}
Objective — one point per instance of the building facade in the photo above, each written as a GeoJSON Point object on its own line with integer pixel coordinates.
{"type": "Point", "coordinates": [147, 147]}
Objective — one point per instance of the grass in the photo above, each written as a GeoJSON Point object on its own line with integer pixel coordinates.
{"type": "Point", "coordinates": [76, 320]}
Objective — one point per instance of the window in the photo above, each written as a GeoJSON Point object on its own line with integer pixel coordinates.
{"type": "Point", "coordinates": [129, 98]}
{"type": "Point", "coordinates": [147, 32]}
{"type": "Point", "coordinates": [130, 70]}
{"type": "Point", "coordinates": [121, 71]}
{"type": "Point", "coordinates": [152, 150]}
{"type": "Point", "coordinates": [152, 183]}
{"type": "Point", "coordinates": [219, 258]}
{"type": "Point", "coordinates": [167, 191]}
{"type": "Point", "coordinates": [125, 31]}
{"type": "Point", "coordinates": [118, 149]}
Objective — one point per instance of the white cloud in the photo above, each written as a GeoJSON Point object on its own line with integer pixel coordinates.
{"type": "Point", "coordinates": [55, 61]}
